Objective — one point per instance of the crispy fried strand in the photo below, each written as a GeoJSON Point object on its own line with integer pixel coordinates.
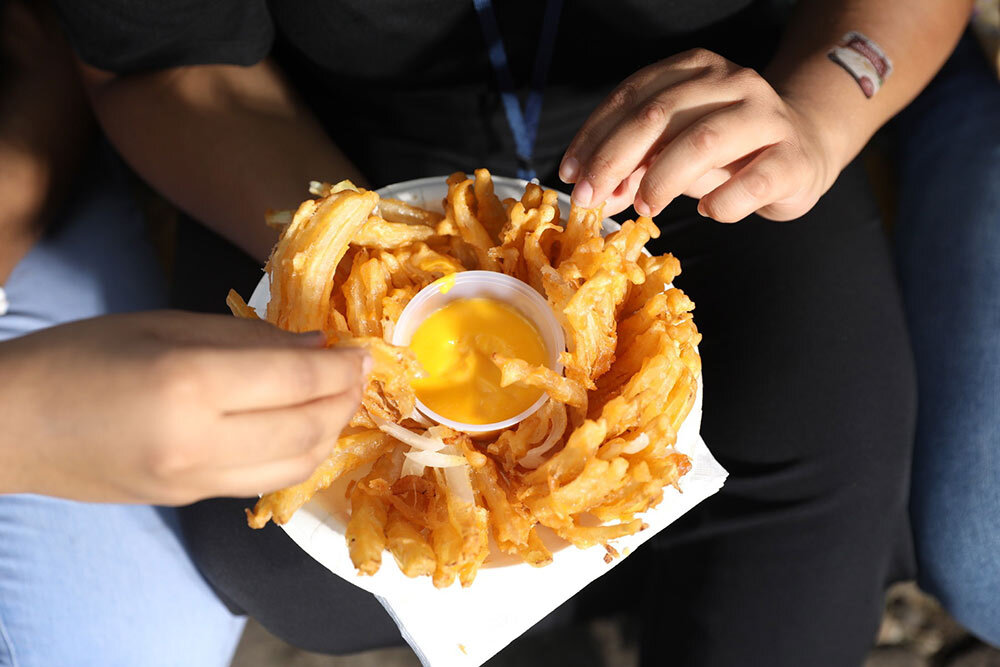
{"type": "Point", "coordinates": [350, 452]}
{"type": "Point", "coordinates": [239, 307]}
{"type": "Point", "coordinates": [380, 233]}
{"type": "Point", "coordinates": [409, 547]}
{"type": "Point", "coordinates": [365, 532]}
{"type": "Point", "coordinates": [558, 387]}
{"type": "Point", "coordinates": [395, 210]}
{"type": "Point", "coordinates": [460, 201]}
{"type": "Point", "coordinates": [489, 210]}
{"type": "Point", "coordinates": [303, 264]}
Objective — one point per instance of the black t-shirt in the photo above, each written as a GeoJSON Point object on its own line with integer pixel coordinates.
{"type": "Point", "coordinates": [405, 86]}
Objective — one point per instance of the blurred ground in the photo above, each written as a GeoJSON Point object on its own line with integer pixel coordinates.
{"type": "Point", "coordinates": [915, 632]}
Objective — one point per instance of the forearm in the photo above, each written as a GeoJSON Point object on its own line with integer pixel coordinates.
{"type": "Point", "coordinates": [224, 143]}
{"type": "Point", "coordinates": [917, 37]}
{"type": "Point", "coordinates": [23, 186]}
{"type": "Point", "coordinates": [44, 132]}
{"type": "Point", "coordinates": [45, 127]}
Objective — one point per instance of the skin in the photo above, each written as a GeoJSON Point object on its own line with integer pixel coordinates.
{"type": "Point", "coordinates": [168, 408]}
{"type": "Point", "coordinates": [223, 143]}
{"type": "Point", "coordinates": [743, 142]}
{"type": "Point", "coordinates": [45, 127]}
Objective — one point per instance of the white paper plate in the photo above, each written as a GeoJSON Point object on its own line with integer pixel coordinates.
{"type": "Point", "coordinates": [457, 626]}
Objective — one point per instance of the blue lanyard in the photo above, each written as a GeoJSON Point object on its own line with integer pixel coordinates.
{"type": "Point", "coordinates": [524, 126]}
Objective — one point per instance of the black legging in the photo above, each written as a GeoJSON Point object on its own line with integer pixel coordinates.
{"type": "Point", "coordinates": [809, 403]}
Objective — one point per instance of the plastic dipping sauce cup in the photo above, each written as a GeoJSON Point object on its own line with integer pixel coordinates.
{"type": "Point", "coordinates": [489, 285]}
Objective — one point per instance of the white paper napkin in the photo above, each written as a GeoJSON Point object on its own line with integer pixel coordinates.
{"type": "Point", "coordinates": [459, 627]}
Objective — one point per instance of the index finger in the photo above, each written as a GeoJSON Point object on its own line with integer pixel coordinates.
{"type": "Point", "coordinates": [629, 94]}
{"type": "Point", "coordinates": [237, 380]}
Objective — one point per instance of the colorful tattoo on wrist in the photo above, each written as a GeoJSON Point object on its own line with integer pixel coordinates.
{"type": "Point", "coordinates": [864, 60]}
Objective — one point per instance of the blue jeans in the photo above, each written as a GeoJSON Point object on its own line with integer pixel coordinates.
{"type": "Point", "coordinates": [84, 584]}
{"type": "Point", "coordinates": [948, 252]}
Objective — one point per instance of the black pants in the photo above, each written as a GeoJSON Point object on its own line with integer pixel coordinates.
{"type": "Point", "coordinates": [809, 403]}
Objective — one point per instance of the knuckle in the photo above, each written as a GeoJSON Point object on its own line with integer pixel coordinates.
{"type": "Point", "coordinates": [703, 138]}
{"type": "Point", "coordinates": [164, 461]}
{"type": "Point", "coordinates": [700, 56]}
{"type": "Point", "coordinates": [654, 113]}
{"type": "Point", "coordinates": [653, 191]}
{"type": "Point", "coordinates": [747, 77]}
{"type": "Point", "coordinates": [176, 375]}
{"type": "Point", "coordinates": [758, 183]}
{"type": "Point", "coordinates": [624, 96]}
{"type": "Point", "coordinates": [601, 165]}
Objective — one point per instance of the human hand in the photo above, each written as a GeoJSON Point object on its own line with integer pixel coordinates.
{"type": "Point", "coordinates": [699, 125]}
{"type": "Point", "coordinates": [170, 407]}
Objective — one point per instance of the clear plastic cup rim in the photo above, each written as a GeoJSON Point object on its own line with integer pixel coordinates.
{"type": "Point", "coordinates": [489, 284]}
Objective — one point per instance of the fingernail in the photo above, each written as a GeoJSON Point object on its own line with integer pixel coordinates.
{"type": "Point", "coordinates": [641, 207]}
{"type": "Point", "coordinates": [583, 193]}
{"type": "Point", "coordinates": [569, 169]}
{"type": "Point", "coordinates": [366, 365]}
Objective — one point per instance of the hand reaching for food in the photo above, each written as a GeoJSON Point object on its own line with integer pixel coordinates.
{"type": "Point", "coordinates": [168, 407]}
{"type": "Point", "coordinates": [697, 124]}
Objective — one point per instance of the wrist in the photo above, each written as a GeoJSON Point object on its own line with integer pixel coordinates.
{"type": "Point", "coordinates": [828, 141]}
{"type": "Point", "coordinates": [830, 107]}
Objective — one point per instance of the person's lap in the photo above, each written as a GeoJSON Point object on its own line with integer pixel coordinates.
{"type": "Point", "coordinates": [948, 249]}
{"type": "Point", "coordinates": [809, 403]}
{"type": "Point", "coordinates": [91, 584]}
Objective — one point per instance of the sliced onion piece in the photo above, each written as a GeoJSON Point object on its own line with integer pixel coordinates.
{"type": "Point", "coordinates": [533, 457]}
{"type": "Point", "coordinates": [460, 483]}
{"type": "Point", "coordinates": [639, 443]}
{"type": "Point", "coordinates": [436, 459]}
{"type": "Point", "coordinates": [441, 432]}
{"type": "Point", "coordinates": [411, 467]}
{"type": "Point", "coordinates": [418, 417]}
{"type": "Point", "coordinates": [407, 436]}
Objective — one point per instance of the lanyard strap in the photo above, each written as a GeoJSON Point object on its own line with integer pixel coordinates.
{"type": "Point", "coordinates": [524, 126]}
